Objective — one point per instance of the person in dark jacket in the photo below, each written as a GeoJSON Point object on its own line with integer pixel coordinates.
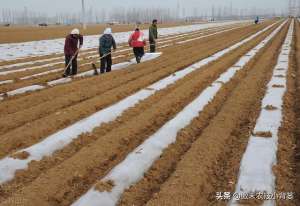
{"type": "Point", "coordinates": [153, 35]}
{"type": "Point", "coordinates": [71, 51]}
{"type": "Point", "coordinates": [106, 42]}
{"type": "Point", "coordinates": [256, 20]}
{"type": "Point", "coordinates": [137, 42]}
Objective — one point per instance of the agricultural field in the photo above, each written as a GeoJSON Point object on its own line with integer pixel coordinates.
{"type": "Point", "coordinates": [34, 33]}
{"type": "Point", "coordinates": [211, 118]}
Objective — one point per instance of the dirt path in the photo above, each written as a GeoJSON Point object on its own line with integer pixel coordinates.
{"type": "Point", "coordinates": [211, 163]}
{"type": "Point", "coordinates": [71, 176]}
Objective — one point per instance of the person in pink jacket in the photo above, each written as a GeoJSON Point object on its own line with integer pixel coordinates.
{"type": "Point", "coordinates": [137, 41]}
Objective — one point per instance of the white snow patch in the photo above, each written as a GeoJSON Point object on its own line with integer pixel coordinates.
{"type": "Point", "coordinates": [59, 81]}
{"type": "Point", "coordinates": [201, 37]}
{"type": "Point", "coordinates": [42, 73]}
{"type": "Point", "coordinates": [25, 89]}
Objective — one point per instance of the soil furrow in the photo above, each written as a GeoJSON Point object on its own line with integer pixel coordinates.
{"type": "Point", "coordinates": [297, 134]}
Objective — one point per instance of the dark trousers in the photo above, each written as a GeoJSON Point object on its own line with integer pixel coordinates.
{"type": "Point", "coordinates": [152, 46]}
{"type": "Point", "coordinates": [106, 63]}
{"type": "Point", "coordinates": [72, 66]}
{"type": "Point", "coordinates": [138, 53]}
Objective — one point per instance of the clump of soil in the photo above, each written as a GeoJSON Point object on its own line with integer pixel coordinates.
{"type": "Point", "coordinates": [270, 108]}
{"type": "Point", "coordinates": [220, 82]}
{"type": "Point", "coordinates": [277, 86]}
{"type": "Point", "coordinates": [104, 186]}
{"type": "Point", "coordinates": [263, 134]}
{"type": "Point", "coordinates": [21, 155]}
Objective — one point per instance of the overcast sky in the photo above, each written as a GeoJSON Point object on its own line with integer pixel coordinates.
{"type": "Point", "coordinates": [53, 6]}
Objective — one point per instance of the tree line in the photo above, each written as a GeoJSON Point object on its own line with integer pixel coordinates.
{"type": "Point", "coordinates": [132, 15]}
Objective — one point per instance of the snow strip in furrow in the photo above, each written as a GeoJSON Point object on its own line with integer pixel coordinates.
{"type": "Point", "coordinates": [46, 47]}
{"type": "Point", "coordinates": [42, 73]}
{"type": "Point", "coordinates": [132, 169]}
{"type": "Point", "coordinates": [6, 82]}
{"type": "Point", "coordinates": [193, 34]}
{"type": "Point", "coordinates": [200, 37]}
{"type": "Point", "coordinates": [256, 173]}
{"type": "Point", "coordinates": [47, 64]}
{"type": "Point", "coordinates": [60, 139]}
{"type": "Point", "coordinates": [29, 63]}
{"type": "Point", "coordinates": [32, 68]}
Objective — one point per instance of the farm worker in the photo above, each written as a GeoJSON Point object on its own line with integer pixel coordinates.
{"type": "Point", "coordinates": [153, 35]}
{"type": "Point", "coordinates": [106, 42]}
{"type": "Point", "coordinates": [137, 42]}
{"type": "Point", "coordinates": [71, 51]}
{"type": "Point", "coordinates": [256, 20]}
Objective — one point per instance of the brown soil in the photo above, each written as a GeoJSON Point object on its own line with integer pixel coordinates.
{"type": "Point", "coordinates": [61, 184]}
{"type": "Point", "coordinates": [270, 107]}
{"type": "Point", "coordinates": [277, 86]}
{"type": "Point", "coordinates": [104, 186]}
{"type": "Point", "coordinates": [263, 134]}
{"type": "Point", "coordinates": [21, 155]}
{"type": "Point", "coordinates": [297, 111]}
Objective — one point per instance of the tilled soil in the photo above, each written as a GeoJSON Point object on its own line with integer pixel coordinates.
{"type": "Point", "coordinates": [206, 156]}
{"type": "Point", "coordinates": [289, 152]}
{"type": "Point", "coordinates": [211, 164]}
{"type": "Point", "coordinates": [208, 74]}
{"type": "Point", "coordinates": [53, 109]}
